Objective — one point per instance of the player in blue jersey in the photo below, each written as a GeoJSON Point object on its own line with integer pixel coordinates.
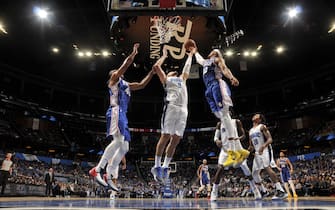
{"type": "Point", "coordinates": [286, 169]}
{"type": "Point", "coordinates": [117, 122]}
{"type": "Point", "coordinates": [218, 96]}
{"type": "Point", "coordinates": [173, 121]}
{"type": "Point", "coordinates": [204, 177]}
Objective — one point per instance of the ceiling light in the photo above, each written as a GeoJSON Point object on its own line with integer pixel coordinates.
{"type": "Point", "coordinates": [280, 49]}
{"type": "Point", "coordinates": [2, 29]}
{"type": "Point", "coordinates": [332, 28]}
{"type": "Point", "coordinates": [41, 13]}
{"type": "Point", "coordinates": [105, 53]}
{"type": "Point", "coordinates": [55, 50]}
{"type": "Point", "coordinates": [253, 53]}
{"type": "Point", "coordinates": [259, 47]}
{"type": "Point", "coordinates": [293, 12]}
{"type": "Point", "coordinates": [246, 53]}
{"type": "Point", "coordinates": [80, 54]}
{"type": "Point", "coordinates": [229, 53]}
{"type": "Point", "coordinates": [88, 53]}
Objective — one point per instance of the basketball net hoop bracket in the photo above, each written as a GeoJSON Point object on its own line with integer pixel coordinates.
{"type": "Point", "coordinates": [166, 27]}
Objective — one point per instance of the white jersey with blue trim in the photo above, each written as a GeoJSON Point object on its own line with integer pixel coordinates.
{"type": "Point", "coordinates": [120, 87]}
{"type": "Point", "coordinates": [283, 162]}
{"type": "Point", "coordinates": [204, 170]}
{"type": "Point", "coordinates": [176, 91]}
{"type": "Point", "coordinates": [257, 138]}
{"type": "Point", "coordinates": [211, 71]}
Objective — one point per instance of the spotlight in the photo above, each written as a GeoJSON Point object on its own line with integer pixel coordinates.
{"type": "Point", "coordinates": [280, 49]}
{"type": "Point", "coordinates": [41, 13]}
{"type": "Point", "coordinates": [55, 50]}
{"type": "Point", "coordinates": [105, 53]}
{"type": "Point", "coordinates": [246, 53]}
{"type": "Point", "coordinates": [2, 29]}
{"type": "Point", "coordinates": [332, 28]}
{"type": "Point", "coordinates": [88, 53]}
{"type": "Point", "coordinates": [293, 12]}
{"type": "Point", "coordinates": [253, 53]}
{"type": "Point", "coordinates": [229, 53]}
{"type": "Point", "coordinates": [80, 54]}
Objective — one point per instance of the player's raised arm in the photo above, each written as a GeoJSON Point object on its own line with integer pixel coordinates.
{"type": "Point", "coordinates": [143, 83]}
{"type": "Point", "coordinates": [187, 67]}
{"type": "Point", "coordinates": [157, 67]}
{"type": "Point", "coordinates": [200, 60]}
{"type": "Point", "coordinates": [116, 74]}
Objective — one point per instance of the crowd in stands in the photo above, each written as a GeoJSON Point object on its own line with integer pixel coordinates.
{"type": "Point", "coordinates": [311, 178]}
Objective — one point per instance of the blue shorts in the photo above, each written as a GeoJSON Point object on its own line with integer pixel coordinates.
{"type": "Point", "coordinates": [204, 180]}
{"type": "Point", "coordinates": [117, 123]}
{"type": "Point", "coordinates": [218, 95]}
{"type": "Point", "coordinates": [285, 175]}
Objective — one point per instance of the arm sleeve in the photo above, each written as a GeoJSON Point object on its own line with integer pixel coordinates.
{"type": "Point", "coordinates": [199, 59]}
{"type": "Point", "coordinates": [217, 135]}
{"type": "Point", "coordinates": [187, 66]}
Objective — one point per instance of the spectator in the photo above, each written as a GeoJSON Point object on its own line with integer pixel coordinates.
{"type": "Point", "coordinates": [5, 171]}
{"type": "Point", "coordinates": [49, 181]}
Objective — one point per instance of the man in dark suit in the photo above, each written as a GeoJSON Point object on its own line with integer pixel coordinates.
{"type": "Point", "coordinates": [49, 180]}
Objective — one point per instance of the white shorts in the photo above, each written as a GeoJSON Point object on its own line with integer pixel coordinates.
{"type": "Point", "coordinates": [173, 120]}
{"type": "Point", "coordinates": [261, 161]}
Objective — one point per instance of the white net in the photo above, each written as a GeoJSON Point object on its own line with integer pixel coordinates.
{"type": "Point", "coordinates": [166, 26]}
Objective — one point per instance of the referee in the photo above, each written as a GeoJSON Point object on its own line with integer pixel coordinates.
{"type": "Point", "coordinates": [5, 171]}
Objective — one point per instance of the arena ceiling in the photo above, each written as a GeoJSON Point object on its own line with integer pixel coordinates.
{"type": "Point", "coordinates": [85, 25]}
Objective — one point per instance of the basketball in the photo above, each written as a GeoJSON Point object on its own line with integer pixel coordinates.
{"type": "Point", "coordinates": [189, 43]}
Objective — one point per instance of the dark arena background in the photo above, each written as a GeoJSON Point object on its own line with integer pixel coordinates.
{"type": "Point", "coordinates": [55, 58]}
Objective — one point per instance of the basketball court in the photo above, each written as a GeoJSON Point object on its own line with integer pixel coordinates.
{"type": "Point", "coordinates": [171, 23]}
{"type": "Point", "coordinates": [315, 203]}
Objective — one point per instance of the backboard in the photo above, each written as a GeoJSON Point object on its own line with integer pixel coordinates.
{"type": "Point", "coordinates": [166, 7]}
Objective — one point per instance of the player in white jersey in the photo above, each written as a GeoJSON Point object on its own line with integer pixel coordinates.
{"type": "Point", "coordinates": [204, 177]}
{"type": "Point", "coordinates": [260, 140]}
{"type": "Point", "coordinates": [173, 121]}
{"type": "Point", "coordinates": [224, 144]}
{"type": "Point", "coordinates": [117, 121]}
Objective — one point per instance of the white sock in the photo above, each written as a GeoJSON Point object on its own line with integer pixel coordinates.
{"type": "Point", "coordinates": [167, 161]}
{"type": "Point", "coordinates": [253, 186]}
{"type": "Point", "coordinates": [279, 187]}
{"type": "Point", "coordinates": [215, 187]}
{"type": "Point", "coordinates": [158, 161]}
{"type": "Point", "coordinates": [112, 172]}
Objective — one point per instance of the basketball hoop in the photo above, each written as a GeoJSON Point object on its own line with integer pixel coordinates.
{"type": "Point", "coordinates": [166, 26]}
